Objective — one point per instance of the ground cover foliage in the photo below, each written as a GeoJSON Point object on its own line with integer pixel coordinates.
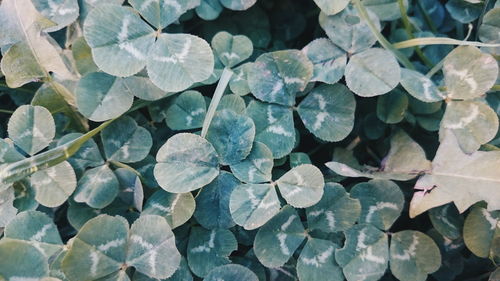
{"type": "Point", "coordinates": [249, 140]}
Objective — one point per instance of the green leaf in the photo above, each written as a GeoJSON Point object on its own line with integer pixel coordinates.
{"type": "Point", "coordinates": [348, 31]}
{"type": "Point", "coordinates": [8, 152]}
{"type": "Point", "coordinates": [234, 103]}
{"type": "Point", "coordinates": [151, 247]}
{"type": "Point", "coordinates": [331, 7]}
{"type": "Point", "coordinates": [7, 209]}
{"type": "Point", "coordinates": [336, 211]}
{"type": "Point", "coordinates": [372, 72]}
{"type": "Point", "coordinates": [186, 162]}
{"type": "Point", "coordinates": [328, 60]}
{"type": "Point", "coordinates": [277, 76]}
{"type": "Point", "coordinates": [381, 202]}
{"type": "Point", "coordinates": [31, 128]}
{"type": "Point", "coordinates": [302, 186]}
{"type": "Point", "coordinates": [278, 239]}
{"type": "Point", "coordinates": [490, 26]}
{"type": "Point", "coordinates": [187, 111]}
{"type": "Point", "coordinates": [405, 160]}
{"type": "Point", "coordinates": [365, 254]}
{"type": "Point", "coordinates": [299, 158]}
{"type": "Point", "coordinates": [252, 205]}
{"type": "Point", "coordinates": [463, 179]}
{"type": "Point", "coordinates": [391, 107]}
{"type": "Point", "coordinates": [125, 141]}
{"type": "Point", "coordinates": [212, 202]}
{"type": "Point", "coordinates": [413, 255]}
{"type": "Point", "coordinates": [143, 88]}
{"type": "Point", "coordinates": [87, 156]}
{"type": "Point", "coordinates": [239, 81]}
{"type": "Point", "coordinates": [447, 221]}
{"type": "Point", "coordinates": [22, 255]}
{"type": "Point", "coordinates": [257, 167]}
{"type": "Point", "coordinates": [176, 208]}
{"type": "Point", "coordinates": [100, 96]}
{"type": "Point", "coordinates": [177, 61]}
{"type": "Point", "coordinates": [208, 249]}
{"type": "Point", "coordinates": [472, 122]}
{"type": "Point", "coordinates": [61, 12]}
{"type": "Point", "coordinates": [238, 5]}
{"type": "Point", "coordinates": [231, 272]}
{"type": "Point", "coordinates": [119, 38]}
{"type": "Point", "coordinates": [31, 55]}
{"type": "Point", "coordinates": [98, 187]}
{"type": "Point", "coordinates": [464, 11]}
{"type": "Point", "coordinates": [231, 50]}
{"type": "Point", "coordinates": [82, 54]}
{"type": "Point", "coordinates": [328, 112]}
{"type": "Point", "coordinates": [54, 185]}
{"type": "Point", "coordinates": [181, 274]}
{"type": "Point", "coordinates": [108, 247]}
{"type": "Point", "coordinates": [386, 10]}
{"type": "Point", "coordinates": [162, 13]}
{"type": "Point", "coordinates": [37, 229]}
{"type": "Point", "coordinates": [317, 261]}
{"type": "Point", "coordinates": [209, 9]}
{"type": "Point", "coordinates": [481, 229]}
{"type": "Point", "coordinates": [273, 127]}
{"type": "Point", "coordinates": [469, 73]}
{"type": "Point", "coordinates": [232, 136]}
{"type": "Point", "coordinates": [420, 86]}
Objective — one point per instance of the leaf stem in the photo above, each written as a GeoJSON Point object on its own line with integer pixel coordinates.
{"type": "Point", "coordinates": [381, 39]}
{"type": "Point", "coordinates": [219, 91]}
{"type": "Point", "coordinates": [440, 41]}
{"type": "Point", "coordinates": [6, 111]}
{"type": "Point", "coordinates": [125, 166]}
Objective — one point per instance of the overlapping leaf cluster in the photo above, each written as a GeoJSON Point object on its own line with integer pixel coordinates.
{"type": "Point", "coordinates": [249, 140]}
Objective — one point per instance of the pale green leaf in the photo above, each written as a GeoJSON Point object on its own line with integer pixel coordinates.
{"type": "Point", "coordinates": [273, 127]}
{"type": "Point", "coordinates": [278, 239]}
{"type": "Point", "coordinates": [163, 12]}
{"type": "Point", "coordinates": [100, 96]}
{"type": "Point", "coordinates": [119, 38]}
{"type": "Point", "coordinates": [22, 255]}
{"type": "Point", "coordinates": [232, 136]}
{"type": "Point", "coordinates": [277, 76]}
{"type": "Point", "coordinates": [231, 272]}
{"type": "Point", "coordinates": [317, 261]}
{"type": "Point", "coordinates": [87, 156]}
{"type": "Point", "coordinates": [61, 12]}
{"type": "Point", "coordinates": [469, 73]}
{"type": "Point", "coordinates": [151, 248]}
{"type": "Point", "coordinates": [54, 185]}
{"type": "Point", "coordinates": [386, 10]}
{"type": "Point", "coordinates": [405, 160]}
{"type": "Point", "coordinates": [328, 112]}
{"type": "Point", "coordinates": [252, 205]}
{"type": "Point", "coordinates": [231, 50]}
{"type": "Point", "coordinates": [177, 61]}
{"type": "Point", "coordinates": [447, 221]}
{"type": "Point", "coordinates": [8, 152]}
{"type": "Point", "coordinates": [299, 158]}
{"type": "Point", "coordinates": [209, 9]}
{"type": "Point", "coordinates": [328, 60]}
{"type": "Point", "coordinates": [365, 255]}
{"type": "Point", "coordinates": [31, 128]}
{"type": "Point", "coordinates": [372, 72]}
{"type": "Point", "coordinates": [143, 88]}
{"type": "Point", "coordinates": [212, 202]}
{"type": "Point", "coordinates": [7, 209]}
{"type": "Point", "coordinates": [98, 187]}
{"type": "Point", "coordinates": [481, 229]}
{"type": "Point", "coordinates": [186, 162]}
{"type": "Point", "coordinates": [208, 249]}
{"type": "Point", "coordinates": [36, 228]}
{"type": "Point", "coordinates": [239, 81]}
{"type": "Point", "coordinates": [472, 122]}
{"type": "Point", "coordinates": [336, 211]}
{"type": "Point", "coordinates": [187, 111]}
{"type": "Point", "coordinates": [234, 103]}
{"type": "Point", "coordinates": [348, 31]}
{"type": "Point", "coordinates": [331, 7]}
{"type": "Point", "coordinates": [176, 208]}
{"type": "Point", "coordinates": [238, 5]}
{"type": "Point", "coordinates": [257, 167]}
{"type": "Point", "coordinates": [458, 177]}
{"type": "Point", "coordinates": [82, 54]}
{"type": "Point", "coordinates": [413, 256]}
{"type": "Point", "coordinates": [125, 141]}
{"type": "Point", "coordinates": [181, 274]}
{"type": "Point", "coordinates": [381, 202]}
{"type": "Point", "coordinates": [302, 186]}
{"type": "Point", "coordinates": [420, 86]}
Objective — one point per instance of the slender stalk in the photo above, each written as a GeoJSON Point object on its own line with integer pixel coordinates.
{"type": "Point", "coordinates": [6, 111]}
{"type": "Point", "coordinates": [381, 39]}
{"type": "Point", "coordinates": [440, 41]}
{"type": "Point", "coordinates": [125, 166]}
{"type": "Point", "coordinates": [427, 18]}
{"type": "Point", "coordinates": [219, 91]}
{"type": "Point", "coordinates": [435, 69]}
{"type": "Point", "coordinates": [409, 31]}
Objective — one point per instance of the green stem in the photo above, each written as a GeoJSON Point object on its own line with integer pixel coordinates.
{"type": "Point", "coordinates": [13, 172]}
{"type": "Point", "coordinates": [219, 91]}
{"type": "Point", "coordinates": [440, 41]}
{"type": "Point", "coordinates": [409, 32]}
{"type": "Point", "coordinates": [381, 39]}
{"type": "Point", "coordinates": [435, 69]}
{"type": "Point", "coordinates": [427, 18]}
{"type": "Point", "coordinates": [125, 166]}
{"type": "Point", "coordinates": [6, 111]}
